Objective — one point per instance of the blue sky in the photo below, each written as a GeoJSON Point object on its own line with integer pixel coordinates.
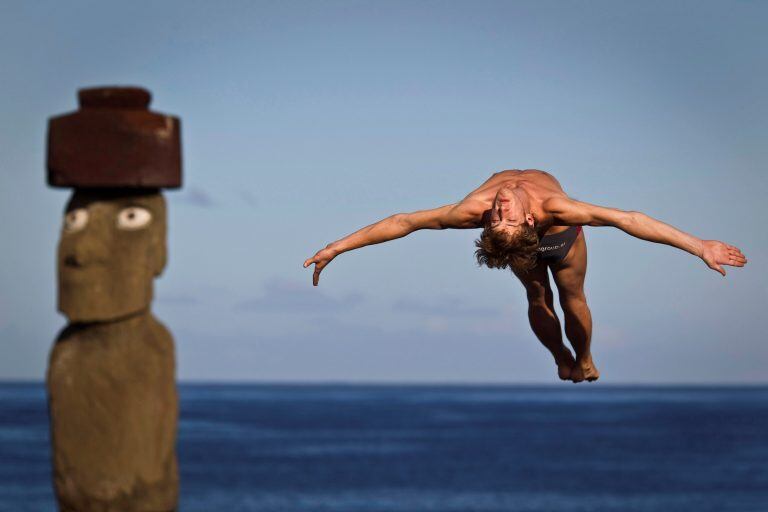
{"type": "Point", "coordinates": [303, 121]}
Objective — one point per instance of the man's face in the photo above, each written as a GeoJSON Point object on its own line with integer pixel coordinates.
{"type": "Point", "coordinates": [508, 212]}
{"type": "Point", "coordinates": [112, 246]}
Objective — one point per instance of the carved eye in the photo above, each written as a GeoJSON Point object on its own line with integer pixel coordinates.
{"type": "Point", "coordinates": [133, 217]}
{"type": "Point", "coordinates": [75, 220]}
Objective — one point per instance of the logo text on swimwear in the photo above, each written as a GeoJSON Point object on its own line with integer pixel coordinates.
{"type": "Point", "coordinates": [551, 247]}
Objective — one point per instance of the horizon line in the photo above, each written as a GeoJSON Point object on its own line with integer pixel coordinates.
{"type": "Point", "coordinates": [447, 384]}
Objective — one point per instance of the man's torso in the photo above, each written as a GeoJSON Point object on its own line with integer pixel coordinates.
{"type": "Point", "coordinates": [538, 185]}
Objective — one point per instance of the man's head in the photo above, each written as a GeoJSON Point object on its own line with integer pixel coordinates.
{"type": "Point", "coordinates": [508, 239]}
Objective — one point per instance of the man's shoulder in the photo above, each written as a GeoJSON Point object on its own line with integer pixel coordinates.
{"type": "Point", "coordinates": [468, 212]}
{"type": "Point", "coordinates": [557, 203]}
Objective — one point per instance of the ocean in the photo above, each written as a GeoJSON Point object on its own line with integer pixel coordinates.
{"type": "Point", "coordinates": [353, 448]}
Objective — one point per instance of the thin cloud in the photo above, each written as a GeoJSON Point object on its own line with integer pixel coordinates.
{"type": "Point", "coordinates": [249, 198]}
{"type": "Point", "coordinates": [449, 307]}
{"type": "Point", "coordinates": [196, 197]}
{"type": "Point", "coordinates": [293, 297]}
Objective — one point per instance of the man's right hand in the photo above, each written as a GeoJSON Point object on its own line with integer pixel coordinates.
{"type": "Point", "coordinates": [716, 253]}
{"type": "Point", "coordinates": [321, 259]}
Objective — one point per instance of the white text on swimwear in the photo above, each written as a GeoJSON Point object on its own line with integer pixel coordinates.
{"type": "Point", "coordinates": [551, 247]}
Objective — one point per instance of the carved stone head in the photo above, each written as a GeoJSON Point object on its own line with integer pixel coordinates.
{"type": "Point", "coordinates": [112, 246]}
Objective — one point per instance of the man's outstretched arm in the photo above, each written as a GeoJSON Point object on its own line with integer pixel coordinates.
{"type": "Point", "coordinates": [391, 228]}
{"type": "Point", "coordinates": [713, 252]}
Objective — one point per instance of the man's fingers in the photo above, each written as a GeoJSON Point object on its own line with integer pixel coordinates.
{"type": "Point", "coordinates": [738, 256]}
{"type": "Point", "coordinates": [316, 277]}
{"type": "Point", "coordinates": [737, 252]}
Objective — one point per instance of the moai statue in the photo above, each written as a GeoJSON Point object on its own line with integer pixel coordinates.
{"type": "Point", "coordinates": [111, 377]}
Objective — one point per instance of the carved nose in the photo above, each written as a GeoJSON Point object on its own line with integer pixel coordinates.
{"type": "Point", "coordinates": [86, 253]}
{"type": "Point", "coordinates": [73, 260]}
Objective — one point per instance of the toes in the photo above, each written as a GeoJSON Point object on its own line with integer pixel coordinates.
{"type": "Point", "coordinates": [584, 371]}
{"type": "Point", "coordinates": [591, 373]}
{"type": "Point", "coordinates": [577, 376]}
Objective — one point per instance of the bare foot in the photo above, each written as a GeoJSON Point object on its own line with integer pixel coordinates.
{"type": "Point", "coordinates": [565, 363]}
{"type": "Point", "coordinates": [584, 369]}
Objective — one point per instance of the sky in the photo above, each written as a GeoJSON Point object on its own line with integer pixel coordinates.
{"type": "Point", "coordinates": [304, 121]}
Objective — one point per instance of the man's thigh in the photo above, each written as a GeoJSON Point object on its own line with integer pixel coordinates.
{"type": "Point", "coordinates": [569, 273]}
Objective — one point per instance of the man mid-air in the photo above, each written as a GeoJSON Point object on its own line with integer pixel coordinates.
{"type": "Point", "coordinates": [530, 225]}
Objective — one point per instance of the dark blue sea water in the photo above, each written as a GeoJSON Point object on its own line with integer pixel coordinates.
{"type": "Point", "coordinates": [414, 448]}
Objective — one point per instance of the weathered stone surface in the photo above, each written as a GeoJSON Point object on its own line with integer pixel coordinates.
{"type": "Point", "coordinates": [111, 383]}
{"type": "Point", "coordinates": [113, 410]}
{"type": "Point", "coordinates": [107, 259]}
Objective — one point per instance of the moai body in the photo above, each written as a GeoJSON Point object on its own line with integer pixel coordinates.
{"type": "Point", "coordinates": [111, 377]}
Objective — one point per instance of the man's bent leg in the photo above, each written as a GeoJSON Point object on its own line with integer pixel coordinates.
{"type": "Point", "coordinates": [578, 329]}
{"type": "Point", "coordinates": [543, 319]}
{"type": "Point", "coordinates": [569, 277]}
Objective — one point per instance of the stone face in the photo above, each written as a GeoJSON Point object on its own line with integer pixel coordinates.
{"type": "Point", "coordinates": [113, 408]}
{"type": "Point", "coordinates": [113, 243]}
{"type": "Point", "coordinates": [113, 140]}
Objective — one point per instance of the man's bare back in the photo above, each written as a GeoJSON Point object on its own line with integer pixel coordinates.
{"type": "Point", "coordinates": [514, 201]}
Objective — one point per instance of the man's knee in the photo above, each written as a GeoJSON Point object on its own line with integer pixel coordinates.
{"type": "Point", "coordinates": [539, 297]}
{"type": "Point", "coordinates": [573, 301]}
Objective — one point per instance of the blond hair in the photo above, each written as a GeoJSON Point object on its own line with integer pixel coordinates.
{"type": "Point", "coordinates": [499, 249]}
